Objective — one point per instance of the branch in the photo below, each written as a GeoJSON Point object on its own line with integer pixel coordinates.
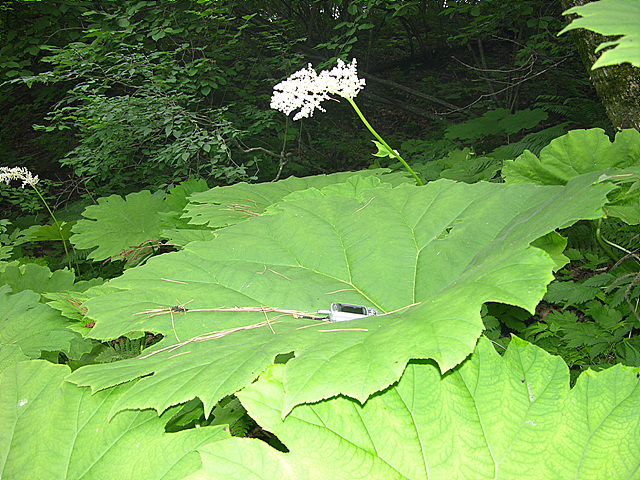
{"type": "Point", "coordinates": [411, 91]}
{"type": "Point", "coordinates": [403, 106]}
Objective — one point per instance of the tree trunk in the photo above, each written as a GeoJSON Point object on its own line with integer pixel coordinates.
{"type": "Point", "coordinates": [618, 86]}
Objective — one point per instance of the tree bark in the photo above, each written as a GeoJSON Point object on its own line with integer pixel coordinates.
{"type": "Point", "coordinates": [618, 86]}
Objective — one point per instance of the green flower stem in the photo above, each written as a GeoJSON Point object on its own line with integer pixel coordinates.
{"type": "Point", "coordinates": [605, 243]}
{"type": "Point", "coordinates": [379, 138]}
{"type": "Point", "coordinates": [64, 243]}
{"type": "Point", "coordinates": [602, 243]}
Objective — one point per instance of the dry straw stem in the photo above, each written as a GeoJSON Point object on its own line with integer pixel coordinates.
{"type": "Point", "coordinates": [222, 333]}
{"type": "Point", "coordinates": [239, 207]}
{"type": "Point", "coordinates": [209, 336]}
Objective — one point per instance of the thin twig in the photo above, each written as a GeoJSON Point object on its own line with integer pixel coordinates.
{"type": "Point", "coordinates": [177, 355]}
{"type": "Point", "coordinates": [205, 337]}
{"type": "Point", "coordinates": [267, 318]}
{"type": "Point", "coordinates": [173, 325]}
{"type": "Point", "coordinates": [365, 205]}
{"type": "Point", "coordinates": [397, 310]}
{"type": "Point", "coordinates": [173, 281]}
{"type": "Point", "coordinates": [343, 290]}
{"type": "Point", "coordinates": [283, 276]}
{"type": "Point", "coordinates": [162, 311]}
{"type": "Point", "coordinates": [324, 322]}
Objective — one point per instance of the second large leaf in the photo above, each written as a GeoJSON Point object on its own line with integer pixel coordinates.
{"type": "Point", "coordinates": [433, 255]}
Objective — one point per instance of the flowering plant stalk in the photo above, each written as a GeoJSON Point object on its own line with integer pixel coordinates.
{"type": "Point", "coordinates": [21, 173]}
{"type": "Point", "coordinates": [305, 89]}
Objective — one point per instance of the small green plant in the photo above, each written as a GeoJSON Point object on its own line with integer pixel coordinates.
{"type": "Point", "coordinates": [590, 315]}
{"type": "Point", "coordinates": [22, 173]}
{"type": "Point", "coordinates": [121, 349]}
{"type": "Point", "coordinates": [6, 239]}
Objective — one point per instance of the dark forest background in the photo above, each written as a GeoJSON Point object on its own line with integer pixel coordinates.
{"type": "Point", "coordinates": [102, 97]}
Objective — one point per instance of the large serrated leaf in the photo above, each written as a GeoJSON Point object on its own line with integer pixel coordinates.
{"type": "Point", "coordinates": [573, 154]}
{"type": "Point", "coordinates": [40, 279]}
{"type": "Point", "coordinates": [10, 354]}
{"type": "Point", "coordinates": [117, 224]}
{"type": "Point", "coordinates": [175, 201]}
{"type": "Point", "coordinates": [31, 325]}
{"type": "Point", "coordinates": [223, 206]}
{"type": "Point", "coordinates": [584, 151]}
{"type": "Point", "coordinates": [493, 417]}
{"type": "Point", "coordinates": [53, 430]}
{"type": "Point", "coordinates": [611, 17]}
{"type": "Point", "coordinates": [36, 278]}
{"type": "Point", "coordinates": [448, 246]}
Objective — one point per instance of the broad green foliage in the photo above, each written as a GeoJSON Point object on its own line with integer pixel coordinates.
{"type": "Point", "coordinates": [615, 18]}
{"type": "Point", "coordinates": [493, 417]}
{"type": "Point", "coordinates": [554, 244]}
{"type": "Point", "coordinates": [34, 277]}
{"type": "Point", "coordinates": [461, 165]}
{"type": "Point", "coordinates": [577, 152]}
{"type": "Point", "coordinates": [449, 247]}
{"type": "Point", "coordinates": [31, 325]}
{"type": "Point", "coordinates": [145, 93]}
{"type": "Point", "coordinates": [121, 228]}
{"type": "Point", "coordinates": [496, 122]}
{"type": "Point", "coordinates": [178, 197]}
{"type": "Point", "coordinates": [583, 151]}
{"type": "Point", "coordinates": [590, 321]}
{"type": "Point", "coordinates": [176, 230]}
{"type": "Point", "coordinates": [10, 354]}
{"type": "Point", "coordinates": [53, 430]}
{"type": "Point", "coordinates": [480, 160]}
{"type": "Point", "coordinates": [224, 206]}
{"type": "Point", "coordinates": [116, 224]}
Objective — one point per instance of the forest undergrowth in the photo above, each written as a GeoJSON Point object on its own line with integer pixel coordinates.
{"type": "Point", "coordinates": [204, 185]}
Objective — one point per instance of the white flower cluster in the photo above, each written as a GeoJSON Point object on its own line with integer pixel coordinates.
{"type": "Point", "coordinates": [18, 173]}
{"type": "Point", "coordinates": [305, 89]}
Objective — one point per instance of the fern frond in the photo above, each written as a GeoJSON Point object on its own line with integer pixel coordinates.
{"type": "Point", "coordinates": [121, 349]}
{"type": "Point", "coordinates": [534, 142]}
{"type": "Point", "coordinates": [242, 426]}
{"type": "Point", "coordinates": [581, 111]}
{"type": "Point", "coordinates": [230, 411]}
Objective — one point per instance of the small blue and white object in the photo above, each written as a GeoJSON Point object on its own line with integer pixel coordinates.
{"type": "Point", "coordinates": [342, 312]}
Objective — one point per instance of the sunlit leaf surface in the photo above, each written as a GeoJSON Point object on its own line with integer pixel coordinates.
{"type": "Point", "coordinates": [433, 255]}
{"type": "Point", "coordinates": [53, 430]}
{"type": "Point", "coordinates": [510, 417]}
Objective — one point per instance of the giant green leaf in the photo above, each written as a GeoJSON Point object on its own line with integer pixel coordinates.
{"type": "Point", "coordinates": [116, 224]}
{"type": "Point", "coordinates": [10, 354]}
{"type": "Point", "coordinates": [36, 278]}
{"type": "Point", "coordinates": [176, 229]}
{"type": "Point", "coordinates": [493, 417]}
{"type": "Point", "coordinates": [222, 206]}
{"type": "Point", "coordinates": [53, 430]}
{"type": "Point", "coordinates": [583, 151]}
{"type": "Point", "coordinates": [31, 325]}
{"type": "Point", "coordinates": [577, 152]}
{"type": "Point", "coordinates": [447, 246]}
{"type": "Point", "coordinates": [611, 17]}
{"type": "Point", "coordinates": [496, 122]}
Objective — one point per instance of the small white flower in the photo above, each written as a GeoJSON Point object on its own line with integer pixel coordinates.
{"type": "Point", "coordinates": [305, 89]}
{"type": "Point", "coordinates": [18, 173]}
